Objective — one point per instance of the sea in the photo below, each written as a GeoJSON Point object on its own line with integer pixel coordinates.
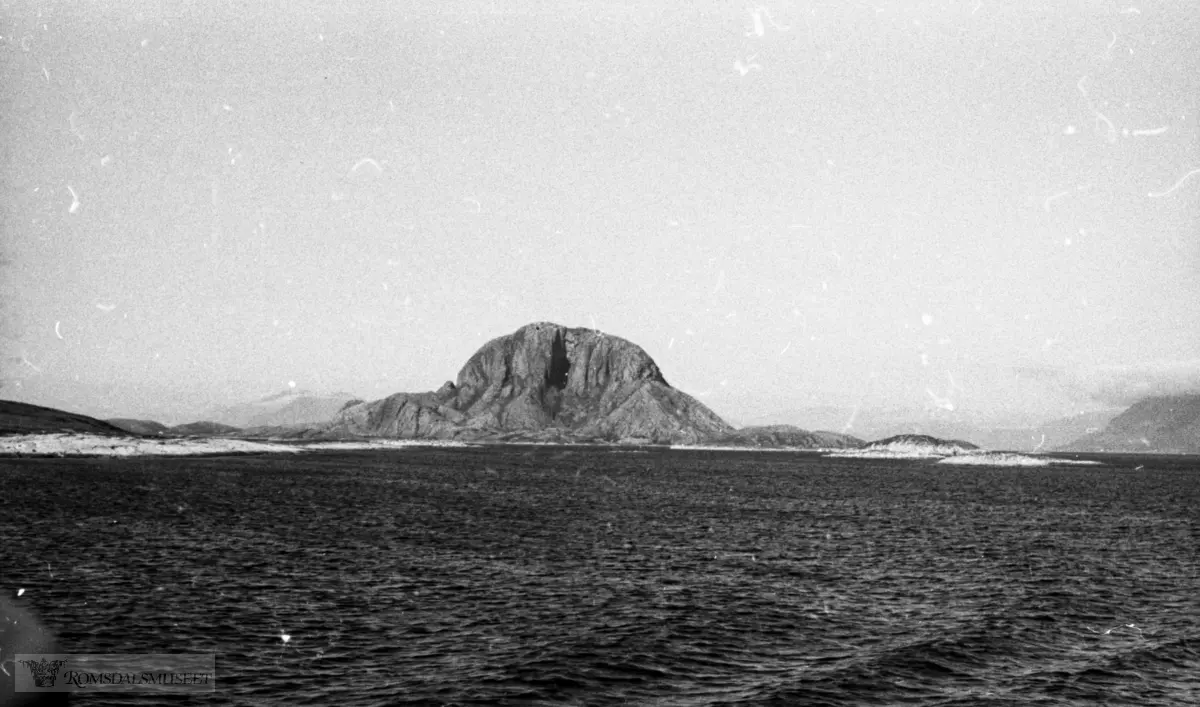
{"type": "Point", "coordinates": [619, 576]}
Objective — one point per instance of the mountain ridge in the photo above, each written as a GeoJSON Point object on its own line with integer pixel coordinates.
{"type": "Point", "coordinates": [1161, 424]}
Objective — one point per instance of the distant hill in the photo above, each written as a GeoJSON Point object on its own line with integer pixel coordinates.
{"type": "Point", "coordinates": [1160, 425]}
{"type": "Point", "coordinates": [23, 418]}
{"type": "Point", "coordinates": [787, 436]}
{"type": "Point", "coordinates": [139, 427]}
{"type": "Point", "coordinates": [1016, 435]}
{"type": "Point", "coordinates": [205, 428]}
{"type": "Point", "coordinates": [544, 381]}
{"type": "Point", "coordinates": [922, 443]}
{"type": "Point", "coordinates": [283, 409]}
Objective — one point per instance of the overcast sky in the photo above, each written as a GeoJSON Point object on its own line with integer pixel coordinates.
{"type": "Point", "coordinates": [974, 205]}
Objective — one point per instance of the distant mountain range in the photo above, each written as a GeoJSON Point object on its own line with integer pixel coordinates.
{"type": "Point", "coordinates": [1167, 425]}
{"type": "Point", "coordinates": [881, 423]}
{"type": "Point", "coordinates": [286, 408]}
{"type": "Point", "coordinates": [550, 383]}
{"type": "Point", "coordinates": [787, 436]}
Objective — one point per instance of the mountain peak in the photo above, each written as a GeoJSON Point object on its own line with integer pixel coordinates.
{"type": "Point", "coordinates": [549, 381]}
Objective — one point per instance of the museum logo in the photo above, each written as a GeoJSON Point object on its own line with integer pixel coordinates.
{"type": "Point", "coordinates": [44, 672]}
{"type": "Point", "coordinates": [156, 673]}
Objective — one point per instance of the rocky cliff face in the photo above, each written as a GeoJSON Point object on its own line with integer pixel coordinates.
{"type": "Point", "coordinates": [548, 381]}
{"type": "Point", "coordinates": [1165, 425]}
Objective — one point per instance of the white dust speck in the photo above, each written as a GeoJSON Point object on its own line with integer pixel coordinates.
{"type": "Point", "coordinates": [1110, 130]}
{"type": "Point", "coordinates": [746, 67]}
{"type": "Point", "coordinates": [20, 591]}
{"type": "Point", "coordinates": [927, 319]}
{"type": "Point", "coordinates": [1069, 130]}
{"type": "Point", "coordinates": [74, 200]}
{"type": "Point", "coordinates": [106, 307]}
{"type": "Point", "coordinates": [758, 30]}
{"type": "Point", "coordinates": [1178, 184]}
{"type": "Point", "coordinates": [366, 161]}
{"type": "Point", "coordinates": [756, 17]}
{"type": "Point", "coordinates": [939, 401]}
{"type": "Point", "coordinates": [291, 384]}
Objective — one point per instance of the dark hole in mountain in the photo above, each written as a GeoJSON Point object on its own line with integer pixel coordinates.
{"type": "Point", "coordinates": [556, 375]}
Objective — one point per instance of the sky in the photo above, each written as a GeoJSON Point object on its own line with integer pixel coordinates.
{"type": "Point", "coordinates": [971, 208]}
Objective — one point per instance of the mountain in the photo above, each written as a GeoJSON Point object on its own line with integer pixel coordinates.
{"type": "Point", "coordinates": [922, 443]}
{"type": "Point", "coordinates": [286, 408]}
{"type": "Point", "coordinates": [987, 432]}
{"type": "Point", "coordinates": [1045, 436]}
{"type": "Point", "coordinates": [1161, 425]}
{"type": "Point", "coordinates": [205, 428]}
{"type": "Point", "coordinates": [544, 382]}
{"type": "Point", "coordinates": [23, 418]}
{"type": "Point", "coordinates": [787, 436]}
{"type": "Point", "coordinates": [139, 427]}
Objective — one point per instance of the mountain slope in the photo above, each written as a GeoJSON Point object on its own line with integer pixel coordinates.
{"type": "Point", "coordinates": [1164, 425]}
{"type": "Point", "coordinates": [788, 436]}
{"type": "Point", "coordinates": [545, 381]}
{"type": "Point", "coordinates": [204, 428]}
{"type": "Point", "coordinates": [139, 427]}
{"type": "Point", "coordinates": [23, 418]}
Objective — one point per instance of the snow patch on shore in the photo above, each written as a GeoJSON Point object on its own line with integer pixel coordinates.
{"type": "Point", "coordinates": [1010, 459]}
{"type": "Point", "coordinates": [60, 445]}
{"type": "Point", "coordinates": [904, 450]}
{"type": "Point", "coordinates": [63, 445]}
{"type": "Point", "coordinates": [381, 444]}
